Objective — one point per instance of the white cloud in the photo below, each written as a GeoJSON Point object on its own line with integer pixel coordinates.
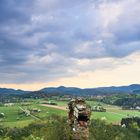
{"type": "Point", "coordinates": [51, 39]}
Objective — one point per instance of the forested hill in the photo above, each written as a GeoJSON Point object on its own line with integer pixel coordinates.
{"type": "Point", "coordinates": [134, 88]}
{"type": "Point", "coordinates": [7, 91]}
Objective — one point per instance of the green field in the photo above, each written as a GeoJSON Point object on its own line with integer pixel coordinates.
{"type": "Point", "coordinates": [114, 114]}
{"type": "Point", "coordinates": [12, 118]}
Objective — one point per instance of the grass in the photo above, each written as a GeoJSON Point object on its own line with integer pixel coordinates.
{"type": "Point", "coordinates": [12, 118]}
{"type": "Point", "coordinates": [47, 111]}
{"type": "Point", "coordinates": [20, 123]}
{"type": "Point", "coordinates": [114, 114]}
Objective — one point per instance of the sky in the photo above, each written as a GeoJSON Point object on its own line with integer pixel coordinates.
{"type": "Point", "coordinates": [80, 43]}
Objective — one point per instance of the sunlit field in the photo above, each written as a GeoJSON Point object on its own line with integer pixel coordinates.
{"type": "Point", "coordinates": [13, 116]}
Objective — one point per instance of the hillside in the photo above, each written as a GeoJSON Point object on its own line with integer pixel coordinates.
{"type": "Point", "coordinates": [89, 91]}
{"type": "Point", "coordinates": [8, 91]}
{"type": "Point", "coordinates": [134, 88]}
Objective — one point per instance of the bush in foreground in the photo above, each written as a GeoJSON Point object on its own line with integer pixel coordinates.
{"type": "Point", "coordinates": [57, 128]}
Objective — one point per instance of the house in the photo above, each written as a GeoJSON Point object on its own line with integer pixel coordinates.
{"type": "Point", "coordinates": [8, 104]}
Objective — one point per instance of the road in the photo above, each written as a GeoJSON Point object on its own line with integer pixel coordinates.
{"type": "Point", "coordinates": [55, 106]}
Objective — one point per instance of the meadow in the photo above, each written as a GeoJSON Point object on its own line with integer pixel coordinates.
{"type": "Point", "coordinates": [14, 117]}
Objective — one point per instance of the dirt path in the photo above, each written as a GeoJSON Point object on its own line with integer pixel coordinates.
{"type": "Point", "coordinates": [55, 106]}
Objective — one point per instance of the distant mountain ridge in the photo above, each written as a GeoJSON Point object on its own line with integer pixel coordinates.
{"type": "Point", "coordinates": [134, 88]}
{"type": "Point", "coordinates": [89, 91]}
{"type": "Point", "coordinates": [11, 91]}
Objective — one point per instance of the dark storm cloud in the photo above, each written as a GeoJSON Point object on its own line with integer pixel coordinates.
{"type": "Point", "coordinates": [13, 11]}
{"type": "Point", "coordinates": [42, 40]}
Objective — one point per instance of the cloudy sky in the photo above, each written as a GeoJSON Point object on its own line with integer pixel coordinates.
{"type": "Point", "coordinates": [82, 43]}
